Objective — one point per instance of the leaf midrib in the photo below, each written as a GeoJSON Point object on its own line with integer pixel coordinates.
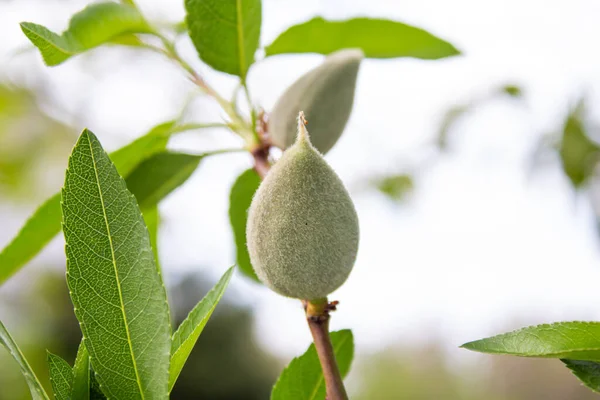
{"type": "Point", "coordinates": [240, 32]}
{"type": "Point", "coordinates": [112, 252]}
{"type": "Point", "coordinates": [320, 381]}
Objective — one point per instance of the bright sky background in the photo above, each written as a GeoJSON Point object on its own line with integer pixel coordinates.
{"type": "Point", "coordinates": [483, 244]}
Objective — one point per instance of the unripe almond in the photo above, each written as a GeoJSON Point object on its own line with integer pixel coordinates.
{"type": "Point", "coordinates": [326, 94]}
{"type": "Point", "coordinates": [302, 227]}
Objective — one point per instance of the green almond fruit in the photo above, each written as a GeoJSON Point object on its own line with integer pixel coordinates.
{"type": "Point", "coordinates": [302, 231]}
{"type": "Point", "coordinates": [325, 94]}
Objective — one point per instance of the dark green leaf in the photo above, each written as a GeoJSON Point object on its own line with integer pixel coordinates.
{"type": "Point", "coordinates": [573, 340]}
{"type": "Point", "coordinates": [588, 372]}
{"type": "Point", "coordinates": [61, 377]}
{"type": "Point", "coordinates": [95, 390]}
{"type": "Point", "coordinates": [303, 378]}
{"type": "Point", "coordinates": [118, 296]}
{"type": "Point", "coordinates": [377, 38]}
{"type": "Point", "coordinates": [240, 198]}
{"type": "Point", "coordinates": [44, 224]}
{"type": "Point", "coordinates": [81, 374]}
{"type": "Point", "coordinates": [95, 25]}
{"type": "Point", "coordinates": [35, 387]}
{"type": "Point", "coordinates": [225, 32]}
{"type": "Point", "coordinates": [187, 334]}
{"type": "Point", "coordinates": [577, 152]}
{"type": "Point", "coordinates": [159, 175]}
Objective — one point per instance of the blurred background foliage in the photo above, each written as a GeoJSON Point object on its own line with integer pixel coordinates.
{"type": "Point", "coordinates": [227, 363]}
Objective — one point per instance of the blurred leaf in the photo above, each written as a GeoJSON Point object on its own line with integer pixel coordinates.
{"type": "Point", "coordinates": [44, 224]}
{"type": "Point", "coordinates": [512, 90]}
{"type": "Point", "coordinates": [588, 372]}
{"type": "Point", "coordinates": [187, 334]}
{"type": "Point", "coordinates": [577, 152]}
{"type": "Point", "coordinates": [81, 374]}
{"type": "Point", "coordinates": [225, 32]}
{"type": "Point", "coordinates": [456, 112]}
{"type": "Point", "coordinates": [377, 38]}
{"type": "Point", "coordinates": [573, 340]}
{"type": "Point", "coordinates": [61, 377]}
{"type": "Point", "coordinates": [159, 175]}
{"type": "Point", "coordinates": [240, 198]}
{"type": "Point", "coordinates": [35, 387]}
{"type": "Point", "coordinates": [39, 229]}
{"type": "Point", "coordinates": [95, 25]}
{"type": "Point", "coordinates": [396, 187]}
{"type": "Point", "coordinates": [303, 378]}
{"type": "Point", "coordinates": [118, 296]}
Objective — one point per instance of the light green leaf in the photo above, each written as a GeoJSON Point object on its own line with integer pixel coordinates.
{"type": "Point", "coordinates": [95, 25]}
{"type": "Point", "coordinates": [81, 374]}
{"type": "Point", "coordinates": [574, 340]}
{"type": "Point", "coordinates": [225, 32]}
{"type": "Point", "coordinates": [303, 378]}
{"type": "Point", "coordinates": [118, 296]}
{"type": "Point", "coordinates": [35, 387]}
{"type": "Point", "coordinates": [588, 372]}
{"type": "Point", "coordinates": [395, 187]}
{"type": "Point", "coordinates": [44, 224]}
{"type": "Point", "coordinates": [240, 198]}
{"type": "Point", "coordinates": [187, 334]}
{"type": "Point", "coordinates": [377, 38]}
{"type": "Point", "coordinates": [159, 175]}
{"type": "Point", "coordinates": [39, 229]}
{"type": "Point", "coordinates": [61, 377]}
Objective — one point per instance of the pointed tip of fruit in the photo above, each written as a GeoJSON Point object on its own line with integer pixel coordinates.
{"type": "Point", "coordinates": [302, 135]}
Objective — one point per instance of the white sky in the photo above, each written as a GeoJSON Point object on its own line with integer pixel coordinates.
{"type": "Point", "coordinates": [481, 244]}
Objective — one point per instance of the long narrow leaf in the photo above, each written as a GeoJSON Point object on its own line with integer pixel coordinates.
{"type": "Point", "coordinates": [118, 295]}
{"type": "Point", "coordinates": [573, 340]}
{"type": "Point", "coordinates": [187, 334]}
{"type": "Point", "coordinates": [93, 26]}
{"type": "Point", "coordinates": [61, 377]}
{"type": "Point", "coordinates": [81, 374]}
{"type": "Point", "coordinates": [35, 387]}
{"type": "Point", "coordinates": [44, 224]}
{"type": "Point", "coordinates": [377, 38]}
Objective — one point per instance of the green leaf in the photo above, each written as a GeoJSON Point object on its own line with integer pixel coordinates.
{"type": "Point", "coordinates": [588, 372]}
{"type": "Point", "coordinates": [225, 32]}
{"type": "Point", "coordinates": [187, 334]}
{"type": "Point", "coordinates": [159, 175]}
{"type": "Point", "coordinates": [81, 374]}
{"type": "Point", "coordinates": [39, 229]}
{"type": "Point", "coordinates": [574, 340]}
{"type": "Point", "coordinates": [118, 296]}
{"type": "Point", "coordinates": [578, 153]}
{"type": "Point", "coordinates": [95, 390]}
{"type": "Point", "coordinates": [240, 198]}
{"type": "Point", "coordinates": [377, 38]}
{"type": "Point", "coordinates": [44, 224]}
{"type": "Point", "coordinates": [35, 387]}
{"type": "Point", "coordinates": [61, 377]}
{"type": "Point", "coordinates": [95, 25]}
{"type": "Point", "coordinates": [395, 187]}
{"type": "Point", "coordinates": [303, 378]}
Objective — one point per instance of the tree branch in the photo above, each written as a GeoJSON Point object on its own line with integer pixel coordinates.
{"type": "Point", "coordinates": [317, 316]}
